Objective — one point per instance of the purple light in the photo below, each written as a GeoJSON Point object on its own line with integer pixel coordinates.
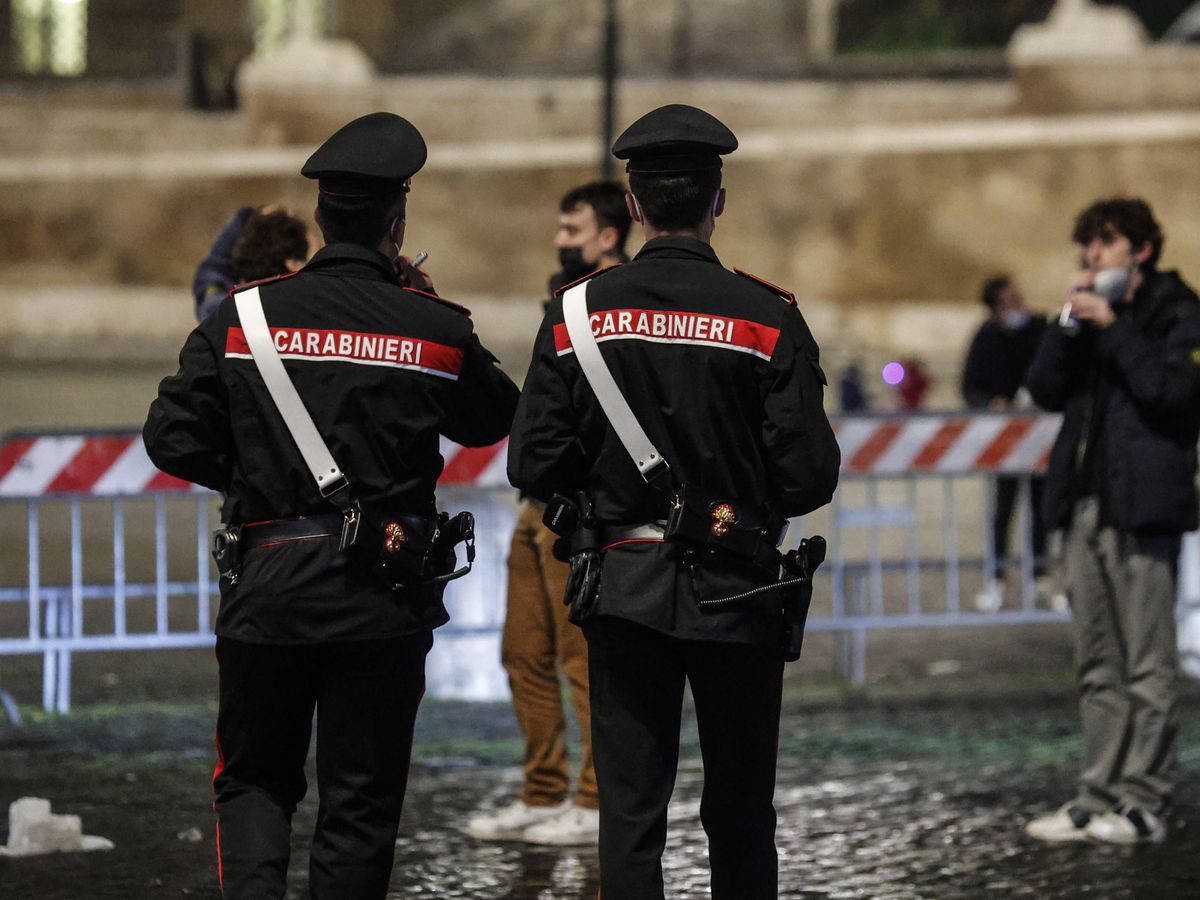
{"type": "Point", "coordinates": [893, 373]}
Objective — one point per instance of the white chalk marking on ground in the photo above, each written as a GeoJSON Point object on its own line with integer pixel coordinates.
{"type": "Point", "coordinates": [1024, 133]}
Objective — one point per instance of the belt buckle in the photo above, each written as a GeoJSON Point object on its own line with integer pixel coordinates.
{"type": "Point", "coordinates": [351, 520]}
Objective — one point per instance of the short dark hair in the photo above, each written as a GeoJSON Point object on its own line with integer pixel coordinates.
{"type": "Point", "coordinates": [267, 242]}
{"type": "Point", "coordinates": [1128, 216]}
{"type": "Point", "coordinates": [607, 200]}
{"type": "Point", "coordinates": [360, 219]}
{"type": "Point", "coordinates": [992, 289]}
{"type": "Point", "coordinates": [672, 202]}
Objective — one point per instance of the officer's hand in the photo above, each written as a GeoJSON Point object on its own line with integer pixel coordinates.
{"type": "Point", "coordinates": [411, 276]}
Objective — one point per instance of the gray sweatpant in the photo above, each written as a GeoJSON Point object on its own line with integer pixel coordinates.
{"type": "Point", "coordinates": [1122, 606]}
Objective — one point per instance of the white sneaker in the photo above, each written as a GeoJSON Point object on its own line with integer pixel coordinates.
{"type": "Point", "coordinates": [1067, 823]}
{"type": "Point", "coordinates": [574, 827]}
{"type": "Point", "coordinates": [1047, 593]}
{"type": "Point", "coordinates": [1127, 825]}
{"type": "Point", "coordinates": [991, 598]}
{"type": "Point", "coordinates": [508, 823]}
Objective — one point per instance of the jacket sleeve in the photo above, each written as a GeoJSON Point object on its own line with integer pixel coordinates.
{"type": "Point", "coordinates": [979, 383]}
{"type": "Point", "coordinates": [187, 430]}
{"type": "Point", "coordinates": [1059, 367]}
{"type": "Point", "coordinates": [485, 399]}
{"type": "Point", "coordinates": [1163, 375]}
{"type": "Point", "coordinates": [544, 453]}
{"type": "Point", "coordinates": [801, 451]}
{"type": "Point", "coordinates": [215, 276]}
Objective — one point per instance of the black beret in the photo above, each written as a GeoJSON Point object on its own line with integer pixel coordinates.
{"type": "Point", "coordinates": [374, 154]}
{"type": "Point", "coordinates": [674, 139]}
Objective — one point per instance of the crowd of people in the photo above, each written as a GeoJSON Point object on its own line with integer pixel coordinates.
{"type": "Point", "coordinates": [671, 421]}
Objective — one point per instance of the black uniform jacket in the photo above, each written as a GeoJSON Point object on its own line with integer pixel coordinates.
{"type": "Point", "coordinates": [1130, 397]}
{"type": "Point", "coordinates": [383, 371]}
{"type": "Point", "coordinates": [723, 374]}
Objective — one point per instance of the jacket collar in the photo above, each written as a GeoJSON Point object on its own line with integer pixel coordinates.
{"type": "Point", "coordinates": [354, 260]}
{"type": "Point", "coordinates": [676, 247]}
{"type": "Point", "coordinates": [1157, 296]}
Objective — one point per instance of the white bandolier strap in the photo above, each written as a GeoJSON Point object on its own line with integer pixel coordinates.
{"type": "Point", "coordinates": [629, 431]}
{"type": "Point", "coordinates": [295, 415]}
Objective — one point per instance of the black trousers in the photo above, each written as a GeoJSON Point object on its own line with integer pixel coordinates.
{"type": "Point", "coordinates": [365, 694]}
{"type": "Point", "coordinates": [1007, 488]}
{"type": "Point", "coordinates": [637, 681]}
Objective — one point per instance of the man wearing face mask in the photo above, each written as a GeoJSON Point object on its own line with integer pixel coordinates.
{"type": "Point", "coordinates": [593, 224]}
{"type": "Point", "coordinates": [993, 374]}
{"type": "Point", "coordinates": [307, 620]}
{"type": "Point", "coordinates": [720, 372]}
{"type": "Point", "coordinates": [1123, 365]}
{"type": "Point", "coordinates": [538, 641]}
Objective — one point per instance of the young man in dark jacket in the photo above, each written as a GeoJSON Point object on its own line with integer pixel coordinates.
{"type": "Point", "coordinates": [1123, 366]}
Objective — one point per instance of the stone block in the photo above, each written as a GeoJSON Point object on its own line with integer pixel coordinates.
{"type": "Point", "coordinates": [33, 830]}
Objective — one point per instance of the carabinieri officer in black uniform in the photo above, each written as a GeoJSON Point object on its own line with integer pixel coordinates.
{"type": "Point", "coordinates": [723, 375]}
{"type": "Point", "coordinates": [383, 371]}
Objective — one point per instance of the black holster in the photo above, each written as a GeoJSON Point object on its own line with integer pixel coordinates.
{"type": "Point", "coordinates": [799, 565]}
{"type": "Point", "coordinates": [573, 519]}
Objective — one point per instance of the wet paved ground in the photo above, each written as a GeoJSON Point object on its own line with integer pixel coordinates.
{"type": "Point", "coordinates": [878, 801]}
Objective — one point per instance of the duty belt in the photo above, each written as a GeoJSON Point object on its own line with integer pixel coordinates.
{"type": "Point", "coordinates": [279, 531]}
{"type": "Point", "coordinates": [647, 531]}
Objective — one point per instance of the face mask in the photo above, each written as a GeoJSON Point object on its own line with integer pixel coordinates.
{"type": "Point", "coordinates": [1111, 284]}
{"type": "Point", "coordinates": [572, 263]}
{"type": "Point", "coordinates": [392, 229]}
{"type": "Point", "coordinates": [1014, 319]}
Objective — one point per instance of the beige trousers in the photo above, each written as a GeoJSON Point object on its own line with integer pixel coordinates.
{"type": "Point", "coordinates": [1123, 616]}
{"type": "Point", "coordinates": [537, 642]}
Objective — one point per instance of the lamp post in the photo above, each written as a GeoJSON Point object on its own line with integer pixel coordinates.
{"type": "Point", "coordinates": [608, 71]}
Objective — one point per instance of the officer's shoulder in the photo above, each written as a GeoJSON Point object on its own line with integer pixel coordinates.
{"type": "Point", "coordinates": [273, 279]}
{"type": "Point", "coordinates": [442, 301]}
{"type": "Point", "coordinates": [591, 276]}
{"type": "Point", "coordinates": [780, 293]}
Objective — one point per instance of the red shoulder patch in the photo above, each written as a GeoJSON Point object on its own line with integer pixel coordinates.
{"type": "Point", "coordinates": [785, 294]}
{"type": "Point", "coordinates": [586, 277]}
{"type": "Point", "coordinates": [442, 300]}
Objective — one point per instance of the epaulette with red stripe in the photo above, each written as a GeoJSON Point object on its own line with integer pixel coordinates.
{"type": "Point", "coordinates": [249, 284]}
{"type": "Point", "coordinates": [442, 300]}
{"type": "Point", "coordinates": [587, 277]}
{"type": "Point", "coordinates": [774, 288]}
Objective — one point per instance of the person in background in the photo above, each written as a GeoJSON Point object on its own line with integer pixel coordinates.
{"type": "Point", "coordinates": [995, 369]}
{"type": "Point", "coordinates": [593, 225]}
{"type": "Point", "coordinates": [852, 394]}
{"type": "Point", "coordinates": [914, 385]}
{"type": "Point", "coordinates": [254, 244]}
{"type": "Point", "coordinates": [1123, 367]}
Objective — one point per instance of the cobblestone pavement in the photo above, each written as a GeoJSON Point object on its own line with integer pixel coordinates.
{"type": "Point", "coordinates": [875, 801]}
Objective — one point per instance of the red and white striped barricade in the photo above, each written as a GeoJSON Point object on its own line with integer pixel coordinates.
{"type": "Point", "coordinates": [92, 472]}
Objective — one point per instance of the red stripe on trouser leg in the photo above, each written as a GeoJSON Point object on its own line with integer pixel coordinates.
{"type": "Point", "coordinates": [220, 767]}
{"type": "Point", "coordinates": [220, 868]}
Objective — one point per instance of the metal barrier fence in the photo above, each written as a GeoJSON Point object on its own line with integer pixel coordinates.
{"type": "Point", "coordinates": [116, 553]}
